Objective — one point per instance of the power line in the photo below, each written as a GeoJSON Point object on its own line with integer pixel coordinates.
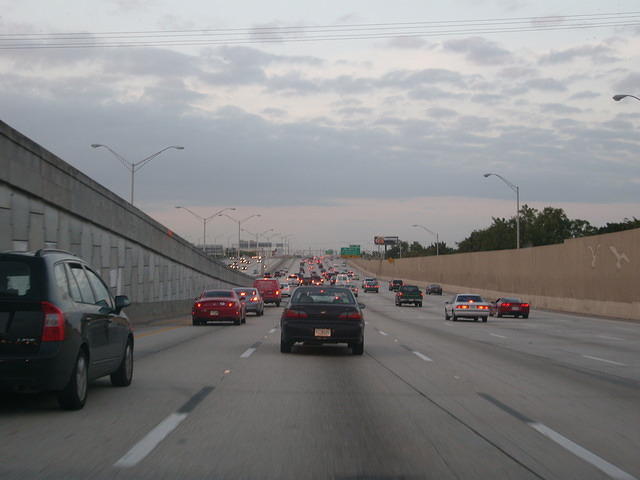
{"type": "Point", "coordinates": [315, 33]}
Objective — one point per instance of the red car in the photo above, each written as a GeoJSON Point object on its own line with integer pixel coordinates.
{"type": "Point", "coordinates": [509, 306]}
{"type": "Point", "coordinates": [218, 306]}
{"type": "Point", "coordinates": [269, 289]}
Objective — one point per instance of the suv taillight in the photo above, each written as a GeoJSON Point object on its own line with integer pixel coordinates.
{"type": "Point", "coordinates": [53, 326]}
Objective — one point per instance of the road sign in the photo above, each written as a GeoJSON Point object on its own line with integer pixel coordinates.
{"type": "Point", "coordinates": [380, 240]}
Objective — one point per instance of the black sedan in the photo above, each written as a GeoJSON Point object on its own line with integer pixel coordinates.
{"type": "Point", "coordinates": [318, 315]}
{"type": "Point", "coordinates": [433, 289]}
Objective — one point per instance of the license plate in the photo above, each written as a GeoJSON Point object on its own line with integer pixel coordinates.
{"type": "Point", "coordinates": [322, 332]}
{"type": "Point", "coordinates": [515, 308]}
{"type": "Point", "coordinates": [213, 313]}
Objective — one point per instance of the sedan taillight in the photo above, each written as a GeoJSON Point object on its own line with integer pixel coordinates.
{"type": "Point", "coordinates": [350, 316]}
{"type": "Point", "coordinates": [295, 314]}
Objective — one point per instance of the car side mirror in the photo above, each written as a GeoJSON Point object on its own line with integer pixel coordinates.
{"type": "Point", "coordinates": [361, 305]}
{"type": "Point", "coordinates": [122, 301]}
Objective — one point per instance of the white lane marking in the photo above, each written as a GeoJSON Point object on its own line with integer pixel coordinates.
{"type": "Point", "coordinates": [150, 441]}
{"type": "Point", "coordinates": [423, 357]}
{"type": "Point", "coordinates": [607, 337]}
{"type": "Point", "coordinates": [383, 333]}
{"type": "Point", "coordinates": [605, 360]}
{"type": "Point", "coordinates": [248, 353]}
{"type": "Point", "coordinates": [598, 462]}
{"type": "Point", "coordinates": [272, 330]}
{"type": "Point", "coordinates": [496, 335]}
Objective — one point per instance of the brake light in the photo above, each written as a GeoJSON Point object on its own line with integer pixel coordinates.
{"type": "Point", "coordinates": [53, 326]}
{"type": "Point", "coordinates": [482, 307]}
{"type": "Point", "coordinates": [524, 305]}
{"type": "Point", "coordinates": [462, 306]}
{"type": "Point", "coordinates": [198, 304]}
{"type": "Point", "coordinates": [399, 294]}
{"type": "Point", "coordinates": [350, 316]}
{"type": "Point", "coordinates": [254, 299]}
{"type": "Point", "coordinates": [230, 304]}
{"type": "Point", "coordinates": [277, 292]}
{"type": "Point", "coordinates": [295, 314]}
{"type": "Point", "coordinates": [506, 304]}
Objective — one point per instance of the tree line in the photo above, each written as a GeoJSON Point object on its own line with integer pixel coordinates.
{"type": "Point", "coordinates": [537, 227]}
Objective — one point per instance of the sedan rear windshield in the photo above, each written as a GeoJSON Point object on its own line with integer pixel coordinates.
{"type": "Point", "coordinates": [323, 295]}
{"type": "Point", "coordinates": [410, 289]}
{"type": "Point", "coordinates": [217, 293]}
{"type": "Point", "coordinates": [469, 298]}
{"type": "Point", "coordinates": [17, 280]}
{"type": "Point", "coordinates": [511, 300]}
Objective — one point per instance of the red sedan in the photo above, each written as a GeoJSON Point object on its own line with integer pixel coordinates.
{"type": "Point", "coordinates": [218, 306]}
{"type": "Point", "coordinates": [509, 306]}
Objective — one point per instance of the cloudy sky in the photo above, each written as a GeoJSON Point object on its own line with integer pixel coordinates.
{"type": "Point", "coordinates": [335, 141]}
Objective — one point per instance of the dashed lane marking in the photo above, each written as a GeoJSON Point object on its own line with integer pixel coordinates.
{"type": "Point", "coordinates": [152, 439]}
{"type": "Point", "coordinates": [605, 360]}
{"type": "Point", "coordinates": [579, 451]}
{"type": "Point", "coordinates": [423, 357]}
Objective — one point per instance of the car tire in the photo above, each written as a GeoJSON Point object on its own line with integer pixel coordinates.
{"type": "Point", "coordinates": [420, 304]}
{"type": "Point", "coordinates": [74, 394]}
{"type": "Point", "coordinates": [484, 319]}
{"type": "Point", "coordinates": [446, 315]}
{"type": "Point", "coordinates": [454, 318]}
{"type": "Point", "coordinates": [498, 314]}
{"type": "Point", "coordinates": [237, 321]}
{"type": "Point", "coordinates": [278, 303]}
{"type": "Point", "coordinates": [525, 316]}
{"type": "Point", "coordinates": [124, 374]}
{"type": "Point", "coordinates": [357, 348]}
{"type": "Point", "coordinates": [285, 347]}
{"type": "Point", "coordinates": [195, 322]}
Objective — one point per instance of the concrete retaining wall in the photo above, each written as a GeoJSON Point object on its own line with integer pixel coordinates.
{"type": "Point", "coordinates": [595, 275]}
{"type": "Point", "coordinates": [45, 202]}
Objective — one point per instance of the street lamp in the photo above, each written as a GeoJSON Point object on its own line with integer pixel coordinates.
{"type": "Point", "coordinates": [617, 98]}
{"type": "Point", "coordinates": [204, 222]}
{"type": "Point", "coordinates": [239, 222]}
{"type": "Point", "coordinates": [516, 189]}
{"type": "Point", "coordinates": [285, 243]}
{"type": "Point", "coordinates": [133, 167]}
{"type": "Point", "coordinates": [432, 233]}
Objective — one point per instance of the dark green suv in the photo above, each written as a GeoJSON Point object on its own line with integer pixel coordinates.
{"type": "Point", "coordinates": [60, 327]}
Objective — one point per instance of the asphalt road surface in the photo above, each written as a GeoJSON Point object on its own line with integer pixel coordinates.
{"type": "Point", "coordinates": [551, 397]}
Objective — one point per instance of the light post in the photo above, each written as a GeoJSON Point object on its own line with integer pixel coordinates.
{"type": "Point", "coordinates": [432, 233]}
{"type": "Point", "coordinates": [204, 222]}
{"type": "Point", "coordinates": [133, 167]}
{"type": "Point", "coordinates": [239, 222]}
{"type": "Point", "coordinates": [617, 98]}
{"type": "Point", "coordinates": [285, 241]}
{"type": "Point", "coordinates": [516, 189]}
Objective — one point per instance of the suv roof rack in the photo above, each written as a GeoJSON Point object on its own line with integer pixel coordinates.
{"type": "Point", "coordinates": [44, 251]}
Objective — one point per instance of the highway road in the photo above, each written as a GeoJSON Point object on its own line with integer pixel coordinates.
{"type": "Point", "coordinates": [555, 396]}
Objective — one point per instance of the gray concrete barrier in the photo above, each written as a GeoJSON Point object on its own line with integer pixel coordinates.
{"type": "Point", "coordinates": [47, 203]}
{"type": "Point", "coordinates": [596, 275]}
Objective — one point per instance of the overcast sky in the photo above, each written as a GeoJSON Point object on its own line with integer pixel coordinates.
{"type": "Point", "coordinates": [336, 141]}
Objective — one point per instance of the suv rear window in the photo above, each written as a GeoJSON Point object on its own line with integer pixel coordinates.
{"type": "Point", "coordinates": [17, 280]}
{"type": "Point", "coordinates": [409, 289]}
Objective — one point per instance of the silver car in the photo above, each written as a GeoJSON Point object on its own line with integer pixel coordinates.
{"type": "Point", "coordinates": [466, 305]}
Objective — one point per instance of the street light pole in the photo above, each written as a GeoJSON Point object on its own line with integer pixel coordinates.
{"type": "Point", "coordinates": [239, 222]}
{"type": "Point", "coordinates": [516, 189]}
{"type": "Point", "coordinates": [135, 166]}
{"type": "Point", "coordinates": [204, 222]}
{"type": "Point", "coordinates": [432, 233]}
{"type": "Point", "coordinates": [617, 98]}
